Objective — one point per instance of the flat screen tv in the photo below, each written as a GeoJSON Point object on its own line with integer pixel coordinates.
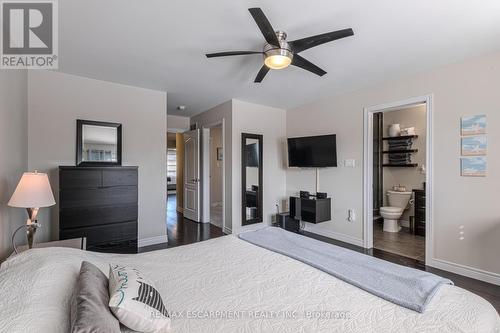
{"type": "Point", "coordinates": [313, 151]}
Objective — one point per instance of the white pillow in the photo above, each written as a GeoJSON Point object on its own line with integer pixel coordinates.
{"type": "Point", "coordinates": [135, 301]}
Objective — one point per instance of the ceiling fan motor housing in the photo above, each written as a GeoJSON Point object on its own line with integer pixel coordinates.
{"type": "Point", "coordinates": [283, 49]}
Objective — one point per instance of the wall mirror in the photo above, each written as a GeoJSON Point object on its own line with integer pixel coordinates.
{"type": "Point", "coordinates": [98, 143]}
{"type": "Point", "coordinates": [251, 176]}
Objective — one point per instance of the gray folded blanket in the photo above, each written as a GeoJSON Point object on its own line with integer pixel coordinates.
{"type": "Point", "coordinates": [404, 286]}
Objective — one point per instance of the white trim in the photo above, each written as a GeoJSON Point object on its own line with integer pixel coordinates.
{"type": "Point", "coordinates": [227, 230]}
{"type": "Point", "coordinates": [368, 172]}
{"type": "Point", "coordinates": [152, 240]}
{"type": "Point", "coordinates": [335, 235]}
{"type": "Point", "coordinates": [205, 172]}
{"type": "Point", "coordinates": [468, 271]}
{"type": "Point", "coordinates": [222, 123]}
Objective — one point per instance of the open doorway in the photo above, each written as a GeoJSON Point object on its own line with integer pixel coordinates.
{"type": "Point", "coordinates": [399, 181]}
{"type": "Point", "coordinates": [398, 178]}
{"type": "Point", "coordinates": [173, 176]}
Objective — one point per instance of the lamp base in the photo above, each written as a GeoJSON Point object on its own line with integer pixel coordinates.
{"type": "Point", "coordinates": [30, 233]}
{"type": "Point", "coordinates": [31, 227]}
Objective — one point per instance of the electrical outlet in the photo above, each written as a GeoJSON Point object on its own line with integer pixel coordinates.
{"type": "Point", "coordinates": [350, 163]}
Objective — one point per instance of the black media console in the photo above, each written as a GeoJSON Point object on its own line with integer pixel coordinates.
{"type": "Point", "coordinates": [311, 209]}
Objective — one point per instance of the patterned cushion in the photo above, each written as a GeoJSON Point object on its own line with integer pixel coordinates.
{"type": "Point", "coordinates": [135, 301]}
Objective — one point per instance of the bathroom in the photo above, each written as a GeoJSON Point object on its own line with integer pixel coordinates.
{"type": "Point", "coordinates": [399, 171]}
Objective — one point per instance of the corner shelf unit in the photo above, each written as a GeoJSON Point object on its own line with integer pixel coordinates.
{"type": "Point", "coordinates": [400, 151]}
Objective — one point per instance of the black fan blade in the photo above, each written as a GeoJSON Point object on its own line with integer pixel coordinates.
{"type": "Point", "coordinates": [307, 65]}
{"type": "Point", "coordinates": [308, 42]}
{"type": "Point", "coordinates": [262, 73]}
{"type": "Point", "coordinates": [265, 27]}
{"type": "Point", "coordinates": [231, 53]}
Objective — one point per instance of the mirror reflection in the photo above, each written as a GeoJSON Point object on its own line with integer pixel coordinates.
{"type": "Point", "coordinates": [252, 182]}
{"type": "Point", "coordinates": [100, 144]}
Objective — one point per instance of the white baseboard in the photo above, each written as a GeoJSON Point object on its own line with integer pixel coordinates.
{"type": "Point", "coordinates": [335, 235]}
{"type": "Point", "coordinates": [468, 271]}
{"type": "Point", "coordinates": [152, 240]}
{"type": "Point", "coordinates": [227, 230]}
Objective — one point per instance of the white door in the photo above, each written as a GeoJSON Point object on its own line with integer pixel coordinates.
{"type": "Point", "coordinates": [192, 175]}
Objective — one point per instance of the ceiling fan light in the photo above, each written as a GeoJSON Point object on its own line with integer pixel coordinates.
{"type": "Point", "coordinates": [277, 61]}
{"type": "Point", "coordinates": [277, 58]}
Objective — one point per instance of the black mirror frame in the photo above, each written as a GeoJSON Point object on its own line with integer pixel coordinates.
{"type": "Point", "coordinates": [79, 143]}
{"type": "Point", "coordinates": [259, 218]}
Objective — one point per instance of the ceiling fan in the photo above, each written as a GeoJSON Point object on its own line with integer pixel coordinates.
{"type": "Point", "coordinates": [278, 53]}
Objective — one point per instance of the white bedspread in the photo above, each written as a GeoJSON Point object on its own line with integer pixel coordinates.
{"type": "Point", "coordinates": [228, 285]}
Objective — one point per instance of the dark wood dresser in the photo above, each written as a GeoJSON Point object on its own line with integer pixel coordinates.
{"type": "Point", "coordinates": [99, 203]}
{"type": "Point", "coordinates": [419, 228]}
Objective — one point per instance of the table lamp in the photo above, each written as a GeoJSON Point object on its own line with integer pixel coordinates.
{"type": "Point", "coordinates": [32, 193]}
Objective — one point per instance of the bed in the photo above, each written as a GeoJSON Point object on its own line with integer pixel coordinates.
{"type": "Point", "coordinates": [229, 285]}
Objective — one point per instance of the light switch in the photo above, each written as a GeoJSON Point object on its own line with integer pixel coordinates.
{"type": "Point", "coordinates": [350, 163]}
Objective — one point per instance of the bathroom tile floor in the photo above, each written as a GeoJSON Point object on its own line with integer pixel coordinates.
{"type": "Point", "coordinates": [402, 243]}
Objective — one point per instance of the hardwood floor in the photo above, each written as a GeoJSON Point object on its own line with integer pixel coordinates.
{"type": "Point", "coordinates": [182, 231]}
{"type": "Point", "coordinates": [403, 243]}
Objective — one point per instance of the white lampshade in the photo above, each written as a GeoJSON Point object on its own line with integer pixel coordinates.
{"type": "Point", "coordinates": [33, 191]}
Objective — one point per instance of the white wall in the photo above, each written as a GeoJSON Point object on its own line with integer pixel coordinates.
{"type": "Point", "coordinates": [270, 122]}
{"type": "Point", "coordinates": [460, 203]}
{"type": "Point", "coordinates": [218, 114]}
{"type": "Point", "coordinates": [56, 100]}
{"type": "Point", "coordinates": [411, 178]}
{"type": "Point", "coordinates": [177, 123]}
{"type": "Point", "coordinates": [13, 152]}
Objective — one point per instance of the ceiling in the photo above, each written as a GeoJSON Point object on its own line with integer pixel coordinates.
{"type": "Point", "coordinates": [160, 44]}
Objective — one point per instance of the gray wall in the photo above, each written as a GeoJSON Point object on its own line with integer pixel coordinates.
{"type": "Point", "coordinates": [460, 203]}
{"type": "Point", "coordinates": [13, 152]}
{"type": "Point", "coordinates": [270, 122]}
{"type": "Point", "coordinates": [56, 100]}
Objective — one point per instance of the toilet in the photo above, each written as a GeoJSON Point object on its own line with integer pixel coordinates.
{"type": "Point", "coordinates": [398, 203]}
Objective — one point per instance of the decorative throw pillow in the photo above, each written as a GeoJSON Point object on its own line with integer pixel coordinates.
{"type": "Point", "coordinates": [135, 301]}
{"type": "Point", "coordinates": [92, 298]}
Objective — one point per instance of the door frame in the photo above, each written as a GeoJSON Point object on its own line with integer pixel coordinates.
{"type": "Point", "coordinates": [206, 198]}
{"type": "Point", "coordinates": [368, 169]}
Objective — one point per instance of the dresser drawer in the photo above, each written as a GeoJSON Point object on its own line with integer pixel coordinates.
{"type": "Point", "coordinates": [74, 178]}
{"type": "Point", "coordinates": [90, 216]}
{"type": "Point", "coordinates": [106, 196]}
{"type": "Point", "coordinates": [119, 177]}
{"type": "Point", "coordinates": [103, 234]}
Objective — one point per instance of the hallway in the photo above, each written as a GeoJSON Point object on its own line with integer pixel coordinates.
{"type": "Point", "coordinates": [182, 231]}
